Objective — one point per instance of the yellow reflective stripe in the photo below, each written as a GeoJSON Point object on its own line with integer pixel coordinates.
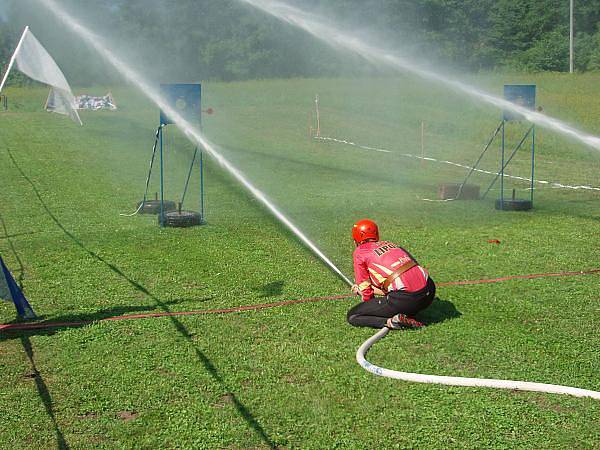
{"type": "Point", "coordinates": [364, 285]}
{"type": "Point", "coordinates": [383, 269]}
{"type": "Point", "coordinates": [377, 275]}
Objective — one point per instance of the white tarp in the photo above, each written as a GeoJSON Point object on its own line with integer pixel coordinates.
{"type": "Point", "coordinates": [34, 61]}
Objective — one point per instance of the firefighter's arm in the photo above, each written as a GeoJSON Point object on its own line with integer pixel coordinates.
{"type": "Point", "coordinates": [362, 280]}
{"type": "Point", "coordinates": [356, 289]}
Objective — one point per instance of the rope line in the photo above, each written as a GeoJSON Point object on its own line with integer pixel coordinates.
{"type": "Point", "coordinates": [464, 166]}
{"type": "Point", "coordinates": [46, 325]}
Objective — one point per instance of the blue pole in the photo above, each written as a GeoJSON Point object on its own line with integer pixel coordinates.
{"type": "Point", "coordinates": [507, 161]}
{"type": "Point", "coordinates": [485, 149]}
{"type": "Point", "coordinates": [162, 186]}
{"type": "Point", "coordinates": [187, 181]}
{"type": "Point", "coordinates": [201, 186]}
{"type": "Point", "coordinates": [532, 160]}
{"type": "Point", "coordinates": [502, 169]}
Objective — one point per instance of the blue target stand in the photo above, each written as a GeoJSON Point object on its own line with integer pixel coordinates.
{"type": "Point", "coordinates": [524, 96]}
{"type": "Point", "coordinates": [185, 100]}
{"type": "Point", "coordinates": [11, 292]}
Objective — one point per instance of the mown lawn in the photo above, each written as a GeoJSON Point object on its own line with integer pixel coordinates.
{"type": "Point", "coordinates": [286, 377]}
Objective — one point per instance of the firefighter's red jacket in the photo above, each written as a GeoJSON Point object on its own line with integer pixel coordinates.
{"type": "Point", "coordinates": [375, 261]}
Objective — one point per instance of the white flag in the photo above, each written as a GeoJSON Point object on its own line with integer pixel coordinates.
{"type": "Point", "coordinates": [34, 61]}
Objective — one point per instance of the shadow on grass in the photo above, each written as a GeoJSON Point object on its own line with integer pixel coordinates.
{"type": "Point", "coordinates": [14, 250]}
{"type": "Point", "coordinates": [439, 311]}
{"type": "Point", "coordinates": [272, 289]}
{"type": "Point", "coordinates": [163, 305]}
{"type": "Point", "coordinates": [44, 393]}
{"type": "Point", "coordinates": [14, 235]}
{"type": "Point", "coordinates": [83, 319]}
{"type": "Point", "coordinates": [40, 384]}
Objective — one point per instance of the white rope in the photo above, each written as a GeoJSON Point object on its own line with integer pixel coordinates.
{"type": "Point", "coordinates": [139, 208]}
{"type": "Point", "coordinates": [451, 163]}
{"type": "Point", "coordinates": [460, 381]}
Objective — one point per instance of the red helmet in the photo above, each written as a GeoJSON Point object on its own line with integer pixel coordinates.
{"type": "Point", "coordinates": [363, 230]}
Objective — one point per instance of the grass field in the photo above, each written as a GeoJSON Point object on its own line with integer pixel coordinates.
{"type": "Point", "coordinates": [286, 377]}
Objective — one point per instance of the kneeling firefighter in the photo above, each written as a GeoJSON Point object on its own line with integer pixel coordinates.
{"type": "Point", "coordinates": [386, 269]}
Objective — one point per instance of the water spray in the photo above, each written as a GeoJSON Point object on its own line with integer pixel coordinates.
{"type": "Point", "coordinates": [336, 38]}
{"type": "Point", "coordinates": [194, 135]}
{"type": "Point", "coordinates": [190, 131]}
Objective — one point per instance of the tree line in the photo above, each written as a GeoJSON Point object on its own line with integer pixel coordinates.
{"type": "Point", "coordinates": [227, 40]}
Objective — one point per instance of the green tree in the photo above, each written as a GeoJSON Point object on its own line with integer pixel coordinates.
{"type": "Point", "coordinates": [190, 40]}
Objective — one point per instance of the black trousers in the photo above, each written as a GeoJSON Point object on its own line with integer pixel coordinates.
{"type": "Point", "coordinates": [377, 311]}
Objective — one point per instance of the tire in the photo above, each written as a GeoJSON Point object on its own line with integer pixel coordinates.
{"type": "Point", "coordinates": [514, 205]}
{"type": "Point", "coordinates": [153, 206]}
{"type": "Point", "coordinates": [182, 219]}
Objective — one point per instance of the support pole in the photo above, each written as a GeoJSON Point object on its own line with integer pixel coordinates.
{"type": "Point", "coordinates": [532, 159]}
{"type": "Point", "coordinates": [571, 37]}
{"type": "Point", "coordinates": [502, 166]}
{"type": "Point", "coordinates": [505, 164]}
{"type": "Point", "coordinates": [474, 167]}
{"type": "Point", "coordinates": [201, 185]}
{"type": "Point", "coordinates": [143, 202]}
{"type": "Point", "coordinates": [189, 175]}
{"type": "Point", "coordinates": [162, 184]}
{"type": "Point", "coordinates": [13, 57]}
{"type": "Point", "coordinates": [156, 138]}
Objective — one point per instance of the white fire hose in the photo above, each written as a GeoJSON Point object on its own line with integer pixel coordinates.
{"type": "Point", "coordinates": [460, 381]}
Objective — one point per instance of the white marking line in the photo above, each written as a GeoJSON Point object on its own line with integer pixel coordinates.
{"type": "Point", "coordinates": [460, 381]}
{"type": "Point", "coordinates": [408, 155]}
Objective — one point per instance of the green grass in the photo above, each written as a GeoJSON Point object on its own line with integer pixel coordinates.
{"type": "Point", "coordinates": [287, 377]}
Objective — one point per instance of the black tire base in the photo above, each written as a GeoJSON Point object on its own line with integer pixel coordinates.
{"type": "Point", "coordinates": [514, 205]}
{"type": "Point", "coordinates": [153, 206]}
{"type": "Point", "coordinates": [182, 219]}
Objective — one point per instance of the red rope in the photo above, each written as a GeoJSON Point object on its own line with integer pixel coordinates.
{"type": "Point", "coordinates": [40, 325]}
{"type": "Point", "coordinates": [44, 325]}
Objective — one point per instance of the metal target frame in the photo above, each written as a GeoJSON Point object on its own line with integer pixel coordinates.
{"type": "Point", "coordinates": [186, 98]}
{"type": "Point", "coordinates": [524, 96]}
